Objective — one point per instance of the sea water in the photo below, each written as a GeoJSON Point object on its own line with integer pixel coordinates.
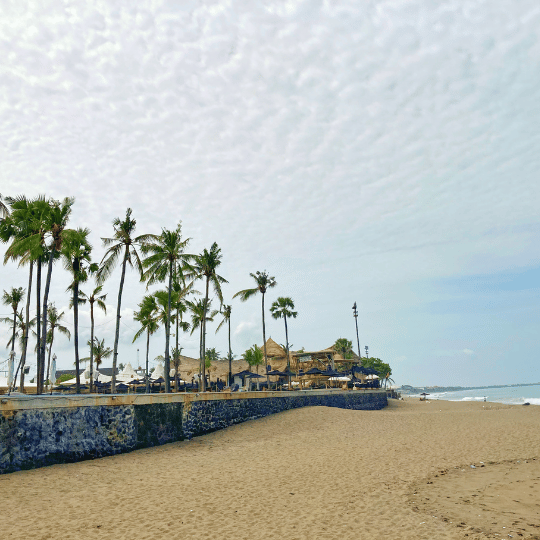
{"type": "Point", "coordinates": [513, 395]}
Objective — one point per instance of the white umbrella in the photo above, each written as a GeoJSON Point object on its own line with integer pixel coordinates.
{"type": "Point", "coordinates": [53, 370]}
{"type": "Point", "coordinates": [10, 368]}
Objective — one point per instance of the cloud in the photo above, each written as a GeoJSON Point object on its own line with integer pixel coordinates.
{"type": "Point", "coordinates": [468, 352]}
{"type": "Point", "coordinates": [356, 148]}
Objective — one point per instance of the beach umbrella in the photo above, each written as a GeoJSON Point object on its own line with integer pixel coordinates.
{"type": "Point", "coordinates": [10, 368]}
{"type": "Point", "coordinates": [255, 376]}
{"type": "Point", "coordinates": [314, 371]}
{"type": "Point", "coordinates": [424, 394]}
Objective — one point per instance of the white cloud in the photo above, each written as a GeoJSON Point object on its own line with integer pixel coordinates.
{"type": "Point", "coordinates": [468, 352]}
{"type": "Point", "coordinates": [355, 148]}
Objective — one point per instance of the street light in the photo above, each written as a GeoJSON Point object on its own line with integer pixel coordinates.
{"type": "Point", "coordinates": [355, 314]}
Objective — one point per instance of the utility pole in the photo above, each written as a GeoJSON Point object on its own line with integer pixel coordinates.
{"type": "Point", "coordinates": [355, 314]}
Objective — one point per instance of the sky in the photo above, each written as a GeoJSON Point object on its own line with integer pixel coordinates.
{"type": "Point", "coordinates": [378, 152]}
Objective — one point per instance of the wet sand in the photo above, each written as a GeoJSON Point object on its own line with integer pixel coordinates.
{"type": "Point", "coordinates": [403, 472]}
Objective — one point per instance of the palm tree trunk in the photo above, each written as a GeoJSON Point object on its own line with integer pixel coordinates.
{"type": "Point", "coordinates": [147, 348]}
{"type": "Point", "coordinates": [38, 317]}
{"type": "Point", "coordinates": [25, 335]}
{"type": "Point", "coordinates": [117, 333]}
{"type": "Point", "coordinates": [14, 328]}
{"type": "Point", "coordinates": [264, 345]}
{"type": "Point", "coordinates": [92, 344]}
{"type": "Point", "coordinates": [230, 354]}
{"type": "Point", "coordinates": [287, 351]}
{"type": "Point", "coordinates": [203, 361]}
{"type": "Point", "coordinates": [49, 357]}
{"type": "Point", "coordinates": [76, 329]}
{"type": "Point", "coordinates": [168, 334]}
{"type": "Point", "coordinates": [44, 325]}
{"type": "Point", "coordinates": [177, 360]}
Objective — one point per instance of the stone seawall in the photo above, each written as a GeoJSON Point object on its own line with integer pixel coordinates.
{"type": "Point", "coordinates": [40, 431]}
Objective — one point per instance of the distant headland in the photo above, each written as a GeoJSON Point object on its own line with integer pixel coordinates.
{"type": "Point", "coordinates": [408, 389]}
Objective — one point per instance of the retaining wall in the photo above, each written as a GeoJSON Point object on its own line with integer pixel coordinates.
{"type": "Point", "coordinates": [43, 430]}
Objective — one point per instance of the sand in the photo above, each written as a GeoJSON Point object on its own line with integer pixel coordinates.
{"type": "Point", "coordinates": [403, 472]}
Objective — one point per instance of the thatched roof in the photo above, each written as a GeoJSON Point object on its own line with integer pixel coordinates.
{"type": "Point", "coordinates": [273, 350]}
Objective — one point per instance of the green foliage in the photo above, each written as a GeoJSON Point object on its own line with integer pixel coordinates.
{"type": "Point", "coordinates": [283, 308]}
{"type": "Point", "coordinates": [211, 355]}
{"type": "Point", "coordinates": [344, 343]}
{"type": "Point", "coordinates": [64, 377]}
{"type": "Point", "coordinates": [384, 370]}
{"type": "Point", "coordinates": [254, 356]}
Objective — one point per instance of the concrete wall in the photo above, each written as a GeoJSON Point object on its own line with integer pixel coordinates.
{"type": "Point", "coordinates": [40, 431]}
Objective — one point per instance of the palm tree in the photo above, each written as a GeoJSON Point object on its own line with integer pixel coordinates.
{"type": "Point", "coordinates": [204, 267]}
{"type": "Point", "coordinates": [76, 251]}
{"type": "Point", "coordinates": [147, 318]}
{"type": "Point", "coordinates": [164, 254]}
{"type": "Point", "coordinates": [26, 228]}
{"type": "Point", "coordinates": [99, 351]}
{"type": "Point", "coordinates": [281, 309]}
{"type": "Point", "coordinates": [178, 304]}
{"type": "Point", "coordinates": [226, 312]}
{"type": "Point", "coordinates": [99, 299]}
{"type": "Point", "coordinates": [264, 282]}
{"type": "Point", "coordinates": [55, 320]}
{"type": "Point", "coordinates": [200, 314]}
{"type": "Point", "coordinates": [13, 299]}
{"type": "Point", "coordinates": [162, 302]}
{"type": "Point", "coordinates": [56, 221]}
{"type": "Point", "coordinates": [23, 330]}
{"type": "Point", "coordinates": [254, 357]}
{"type": "Point", "coordinates": [122, 241]}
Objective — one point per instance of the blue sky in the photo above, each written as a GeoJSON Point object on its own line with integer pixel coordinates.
{"type": "Point", "coordinates": [378, 152]}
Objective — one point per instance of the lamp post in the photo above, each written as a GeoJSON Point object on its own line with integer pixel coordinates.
{"type": "Point", "coordinates": [355, 314]}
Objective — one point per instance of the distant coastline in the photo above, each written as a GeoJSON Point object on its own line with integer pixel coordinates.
{"type": "Point", "coordinates": [408, 389]}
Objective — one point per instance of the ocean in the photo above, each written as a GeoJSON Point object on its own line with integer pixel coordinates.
{"type": "Point", "coordinates": [513, 395]}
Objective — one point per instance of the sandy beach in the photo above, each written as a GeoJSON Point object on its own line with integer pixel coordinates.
{"type": "Point", "coordinates": [403, 472]}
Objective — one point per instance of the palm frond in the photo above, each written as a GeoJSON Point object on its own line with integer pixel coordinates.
{"type": "Point", "coordinates": [246, 294]}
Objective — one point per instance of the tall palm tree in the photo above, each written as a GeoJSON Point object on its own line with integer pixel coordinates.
{"type": "Point", "coordinates": [264, 282]}
{"type": "Point", "coordinates": [163, 255]}
{"type": "Point", "coordinates": [99, 351]}
{"type": "Point", "coordinates": [281, 309]}
{"type": "Point", "coordinates": [124, 242]}
{"type": "Point", "coordinates": [177, 303]}
{"type": "Point", "coordinates": [75, 252]}
{"type": "Point", "coordinates": [95, 297]}
{"type": "Point", "coordinates": [56, 221]}
{"type": "Point", "coordinates": [205, 267]}
{"type": "Point", "coordinates": [147, 318]}
{"type": "Point", "coordinates": [13, 298]}
{"type": "Point", "coordinates": [26, 228]}
{"type": "Point", "coordinates": [55, 323]}
{"type": "Point", "coordinates": [199, 315]}
{"type": "Point", "coordinates": [226, 312]}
